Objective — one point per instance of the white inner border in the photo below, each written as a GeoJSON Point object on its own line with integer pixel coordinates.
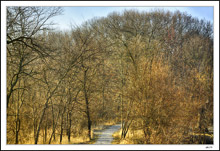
{"type": "Point", "coordinates": [215, 4]}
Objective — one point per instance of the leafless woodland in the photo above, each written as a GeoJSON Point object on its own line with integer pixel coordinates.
{"type": "Point", "coordinates": [152, 72]}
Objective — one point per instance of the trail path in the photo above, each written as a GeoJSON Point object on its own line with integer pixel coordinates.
{"type": "Point", "coordinates": [106, 135]}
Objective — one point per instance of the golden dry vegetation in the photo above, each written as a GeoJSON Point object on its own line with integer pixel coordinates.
{"type": "Point", "coordinates": [151, 71]}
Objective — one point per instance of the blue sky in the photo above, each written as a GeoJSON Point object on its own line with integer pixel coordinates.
{"type": "Point", "coordinates": [77, 15]}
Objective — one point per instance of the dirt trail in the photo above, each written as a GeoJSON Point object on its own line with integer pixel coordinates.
{"type": "Point", "coordinates": [106, 135]}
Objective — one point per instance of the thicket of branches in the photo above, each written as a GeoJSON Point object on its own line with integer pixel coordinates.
{"type": "Point", "coordinates": [150, 71]}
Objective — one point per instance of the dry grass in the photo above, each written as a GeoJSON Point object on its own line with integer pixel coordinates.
{"type": "Point", "coordinates": [137, 137]}
{"type": "Point", "coordinates": [133, 137]}
{"type": "Point", "coordinates": [78, 139]}
{"type": "Point", "coordinates": [116, 137]}
{"type": "Point", "coordinates": [75, 139]}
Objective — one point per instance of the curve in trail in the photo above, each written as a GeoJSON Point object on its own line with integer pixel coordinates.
{"type": "Point", "coordinates": [106, 136]}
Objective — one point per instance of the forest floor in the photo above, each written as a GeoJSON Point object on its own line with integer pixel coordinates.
{"type": "Point", "coordinates": [105, 136]}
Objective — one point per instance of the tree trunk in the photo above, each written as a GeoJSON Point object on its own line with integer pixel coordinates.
{"type": "Point", "coordinates": [35, 127]}
{"type": "Point", "coordinates": [89, 124]}
{"type": "Point", "coordinates": [122, 117]}
{"type": "Point", "coordinates": [17, 119]}
{"type": "Point", "coordinates": [103, 102]}
{"type": "Point", "coordinates": [17, 130]}
{"type": "Point", "coordinates": [61, 132]}
{"type": "Point", "coordinates": [88, 116]}
{"type": "Point", "coordinates": [87, 106]}
{"type": "Point", "coordinates": [54, 138]}
{"type": "Point", "coordinates": [53, 133]}
{"type": "Point", "coordinates": [61, 127]}
{"type": "Point", "coordinates": [45, 133]}
{"type": "Point", "coordinates": [41, 120]}
{"type": "Point", "coordinates": [69, 131]}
